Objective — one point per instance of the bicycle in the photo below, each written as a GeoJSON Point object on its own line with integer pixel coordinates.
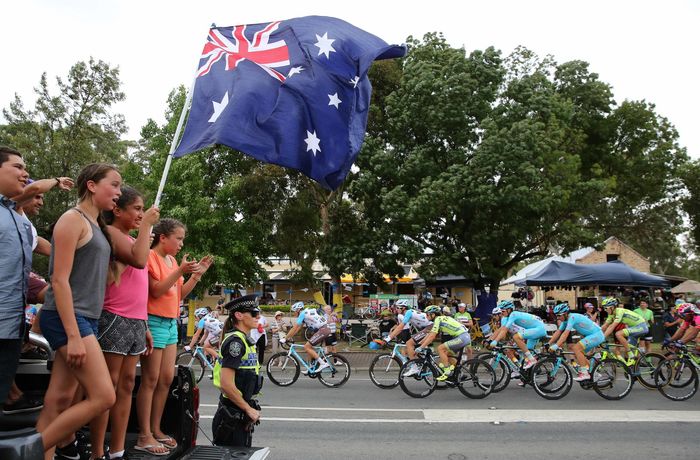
{"type": "Point", "coordinates": [368, 312]}
{"type": "Point", "coordinates": [283, 368]}
{"type": "Point", "coordinates": [196, 360]}
{"type": "Point", "coordinates": [552, 377]}
{"type": "Point", "coordinates": [676, 377]}
{"type": "Point", "coordinates": [645, 365]}
{"type": "Point", "coordinates": [474, 378]}
{"type": "Point", "coordinates": [384, 368]}
{"type": "Point", "coordinates": [503, 366]}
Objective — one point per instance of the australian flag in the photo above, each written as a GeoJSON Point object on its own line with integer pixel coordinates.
{"type": "Point", "coordinates": [294, 93]}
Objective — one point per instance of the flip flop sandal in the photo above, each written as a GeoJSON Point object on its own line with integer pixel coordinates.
{"type": "Point", "coordinates": [150, 449]}
{"type": "Point", "coordinates": [168, 442]}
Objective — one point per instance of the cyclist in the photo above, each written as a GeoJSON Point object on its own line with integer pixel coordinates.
{"type": "Point", "coordinates": [420, 321]}
{"type": "Point", "coordinates": [584, 325]}
{"type": "Point", "coordinates": [458, 333]}
{"type": "Point", "coordinates": [522, 326]}
{"type": "Point", "coordinates": [312, 319]}
{"type": "Point", "coordinates": [635, 326]}
{"type": "Point", "coordinates": [208, 332]}
{"type": "Point", "coordinates": [402, 305]}
{"type": "Point", "coordinates": [690, 327]}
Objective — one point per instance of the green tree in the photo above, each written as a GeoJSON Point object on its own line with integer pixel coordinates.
{"type": "Point", "coordinates": [483, 162]}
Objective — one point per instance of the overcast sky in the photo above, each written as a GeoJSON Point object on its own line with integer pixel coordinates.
{"type": "Point", "coordinates": [644, 49]}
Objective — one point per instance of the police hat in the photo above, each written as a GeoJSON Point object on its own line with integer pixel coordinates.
{"type": "Point", "coordinates": [243, 304]}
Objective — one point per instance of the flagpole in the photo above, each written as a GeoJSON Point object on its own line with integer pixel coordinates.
{"type": "Point", "coordinates": [173, 144]}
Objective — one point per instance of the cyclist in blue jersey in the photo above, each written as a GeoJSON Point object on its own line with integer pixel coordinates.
{"type": "Point", "coordinates": [312, 318]}
{"type": "Point", "coordinates": [591, 332]}
{"type": "Point", "coordinates": [522, 326]}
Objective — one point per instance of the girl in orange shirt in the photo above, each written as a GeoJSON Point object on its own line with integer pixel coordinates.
{"type": "Point", "coordinates": [166, 289]}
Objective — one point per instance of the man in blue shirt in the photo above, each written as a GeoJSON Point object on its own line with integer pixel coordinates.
{"type": "Point", "coordinates": [15, 264]}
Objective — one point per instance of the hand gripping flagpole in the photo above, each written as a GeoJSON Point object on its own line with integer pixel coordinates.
{"type": "Point", "coordinates": [173, 144]}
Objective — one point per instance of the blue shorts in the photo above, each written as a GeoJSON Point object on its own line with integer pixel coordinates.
{"type": "Point", "coordinates": [163, 331]}
{"type": "Point", "coordinates": [533, 335]}
{"type": "Point", "coordinates": [591, 341]}
{"type": "Point", "coordinates": [52, 328]}
{"type": "Point", "coordinates": [636, 332]}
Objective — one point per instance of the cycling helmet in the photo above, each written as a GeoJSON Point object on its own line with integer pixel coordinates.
{"type": "Point", "coordinates": [496, 311]}
{"type": "Point", "coordinates": [610, 302]}
{"type": "Point", "coordinates": [506, 304]}
{"type": "Point", "coordinates": [446, 310]}
{"type": "Point", "coordinates": [434, 309]}
{"type": "Point", "coordinates": [687, 308]}
{"type": "Point", "coordinates": [461, 304]}
{"type": "Point", "coordinates": [403, 303]}
{"type": "Point", "coordinates": [298, 306]}
{"type": "Point", "coordinates": [679, 301]}
{"type": "Point", "coordinates": [588, 305]}
{"type": "Point", "coordinates": [561, 308]}
{"type": "Point", "coordinates": [201, 313]}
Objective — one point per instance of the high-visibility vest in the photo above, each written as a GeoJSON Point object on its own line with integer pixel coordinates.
{"type": "Point", "coordinates": [249, 360]}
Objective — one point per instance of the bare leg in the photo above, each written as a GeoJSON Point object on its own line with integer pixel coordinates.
{"type": "Point", "coordinates": [309, 349]}
{"type": "Point", "coordinates": [160, 396]}
{"type": "Point", "coordinates": [119, 415]}
{"type": "Point", "coordinates": [150, 369]}
{"type": "Point", "coordinates": [411, 349]}
{"type": "Point", "coordinates": [58, 419]}
{"type": "Point", "coordinates": [98, 426]}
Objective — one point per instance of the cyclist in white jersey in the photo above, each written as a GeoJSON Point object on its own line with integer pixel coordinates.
{"type": "Point", "coordinates": [414, 318]}
{"type": "Point", "coordinates": [312, 319]}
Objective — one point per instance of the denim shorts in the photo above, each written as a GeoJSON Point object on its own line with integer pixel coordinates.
{"type": "Point", "coordinates": [52, 328]}
{"type": "Point", "coordinates": [163, 331]}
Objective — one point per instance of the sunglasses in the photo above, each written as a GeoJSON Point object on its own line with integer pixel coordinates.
{"type": "Point", "coordinates": [253, 313]}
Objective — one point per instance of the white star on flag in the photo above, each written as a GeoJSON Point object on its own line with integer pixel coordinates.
{"type": "Point", "coordinates": [355, 81]}
{"type": "Point", "coordinates": [324, 45]}
{"type": "Point", "coordinates": [218, 108]}
{"type": "Point", "coordinates": [334, 100]}
{"type": "Point", "coordinates": [294, 70]}
{"type": "Point", "coordinates": [312, 142]}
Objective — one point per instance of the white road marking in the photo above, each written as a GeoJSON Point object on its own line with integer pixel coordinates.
{"type": "Point", "coordinates": [492, 416]}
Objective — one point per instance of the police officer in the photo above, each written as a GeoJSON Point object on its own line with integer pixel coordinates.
{"type": "Point", "coordinates": [236, 374]}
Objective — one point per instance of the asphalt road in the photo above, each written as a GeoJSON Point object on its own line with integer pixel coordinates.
{"type": "Point", "coordinates": [360, 421]}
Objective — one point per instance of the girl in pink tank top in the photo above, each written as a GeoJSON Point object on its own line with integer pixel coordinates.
{"type": "Point", "coordinates": [122, 329]}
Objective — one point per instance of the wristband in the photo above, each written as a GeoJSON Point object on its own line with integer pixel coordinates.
{"type": "Point", "coordinates": [58, 181]}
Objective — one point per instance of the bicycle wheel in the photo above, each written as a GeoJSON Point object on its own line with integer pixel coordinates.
{"type": "Point", "coordinates": [337, 373]}
{"type": "Point", "coordinates": [551, 378]}
{"type": "Point", "coordinates": [612, 379]}
{"type": "Point", "coordinates": [421, 383]}
{"type": "Point", "coordinates": [282, 369]}
{"type": "Point", "coordinates": [384, 371]}
{"type": "Point", "coordinates": [476, 379]}
{"type": "Point", "coordinates": [309, 332]}
{"type": "Point", "coordinates": [645, 367]}
{"type": "Point", "coordinates": [677, 379]}
{"type": "Point", "coordinates": [500, 369]}
{"type": "Point", "coordinates": [194, 362]}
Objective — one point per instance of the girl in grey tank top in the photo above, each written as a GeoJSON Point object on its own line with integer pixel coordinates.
{"type": "Point", "coordinates": [73, 305]}
{"type": "Point", "coordinates": [88, 276]}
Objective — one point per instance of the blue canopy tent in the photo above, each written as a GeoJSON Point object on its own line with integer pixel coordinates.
{"type": "Point", "coordinates": [614, 273]}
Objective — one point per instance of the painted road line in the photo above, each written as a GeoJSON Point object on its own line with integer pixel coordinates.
{"type": "Point", "coordinates": [512, 416]}
{"type": "Point", "coordinates": [333, 409]}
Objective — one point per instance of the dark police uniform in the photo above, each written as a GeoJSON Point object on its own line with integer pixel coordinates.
{"type": "Point", "coordinates": [231, 426]}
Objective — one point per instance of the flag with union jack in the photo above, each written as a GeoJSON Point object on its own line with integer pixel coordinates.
{"type": "Point", "coordinates": [294, 93]}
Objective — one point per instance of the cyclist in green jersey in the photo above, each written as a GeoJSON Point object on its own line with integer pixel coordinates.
{"type": "Point", "coordinates": [634, 325]}
{"type": "Point", "coordinates": [451, 327]}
